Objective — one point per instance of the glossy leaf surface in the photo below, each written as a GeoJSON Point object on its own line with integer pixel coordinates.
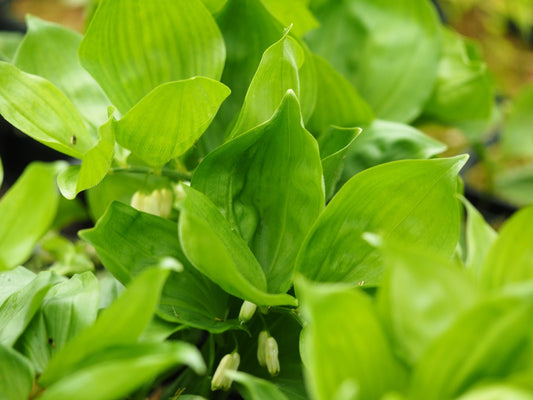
{"type": "Point", "coordinates": [397, 200]}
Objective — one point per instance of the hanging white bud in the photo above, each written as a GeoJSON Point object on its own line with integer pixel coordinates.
{"type": "Point", "coordinates": [271, 355]}
{"type": "Point", "coordinates": [159, 202]}
{"type": "Point", "coordinates": [261, 348]}
{"type": "Point", "coordinates": [230, 362]}
{"type": "Point", "coordinates": [247, 311]}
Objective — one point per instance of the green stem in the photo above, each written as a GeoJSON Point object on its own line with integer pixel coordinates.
{"type": "Point", "coordinates": [182, 176]}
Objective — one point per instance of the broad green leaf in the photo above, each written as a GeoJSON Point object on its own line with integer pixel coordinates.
{"type": "Point", "coordinates": [19, 308]}
{"type": "Point", "coordinates": [386, 141]}
{"type": "Point", "coordinates": [484, 344]}
{"type": "Point", "coordinates": [217, 251]}
{"type": "Point", "coordinates": [337, 101]}
{"type": "Point", "coordinates": [479, 238]}
{"type": "Point", "coordinates": [268, 184]}
{"type": "Point", "coordinates": [169, 119]}
{"type": "Point", "coordinates": [94, 165]}
{"type": "Point", "coordinates": [277, 73]}
{"type": "Point", "coordinates": [9, 43]}
{"type": "Point", "coordinates": [27, 211]}
{"type": "Point", "coordinates": [214, 6]}
{"type": "Point", "coordinates": [293, 13]}
{"type": "Point", "coordinates": [253, 388]}
{"type": "Point", "coordinates": [132, 46]}
{"type": "Point", "coordinates": [463, 90]}
{"type": "Point", "coordinates": [115, 372]}
{"type": "Point", "coordinates": [68, 308]}
{"type": "Point", "coordinates": [13, 280]}
{"type": "Point", "coordinates": [509, 260]}
{"type": "Point", "coordinates": [421, 296]}
{"type": "Point", "coordinates": [517, 135]}
{"type": "Point", "coordinates": [122, 323]}
{"type": "Point", "coordinates": [16, 375]}
{"type": "Point", "coordinates": [51, 52]}
{"type": "Point", "coordinates": [412, 200]}
{"type": "Point", "coordinates": [514, 185]}
{"type": "Point", "coordinates": [334, 145]}
{"type": "Point", "coordinates": [497, 392]}
{"type": "Point", "coordinates": [344, 343]}
{"type": "Point", "coordinates": [127, 241]}
{"type": "Point", "coordinates": [52, 119]}
{"type": "Point", "coordinates": [388, 49]}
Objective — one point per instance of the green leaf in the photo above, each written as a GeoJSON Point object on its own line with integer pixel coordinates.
{"type": "Point", "coordinates": [214, 6]}
{"type": "Point", "coordinates": [484, 344]}
{"type": "Point", "coordinates": [463, 90]}
{"type": "Point", "coordinates": [9, 43]}
{"type": "Point", "coordinates": [52, 120]}
{"type": "Point", "coordinates": [19, 308]}
{"type": "Point", "coordinates": [51, 52]}
{"type": "Point", "coordinates": [127, 241]}
{"type": "Point", "coordinates": [412, 200]}
{"type": "Point", "coordinates": [277, 73]}
{"type": "Point", "coordinates": [13, 280]}
{"type": "Point", "coordinates": [169, 119]}
{"type": "Point", "coordinates": [421, 296]}
{"type": "Point", "coordinates": [27, 210]}
{"type": "Point", "coordinates": [94, 164]}
{"type": "Point", "coordinates": [219, 253]}
{"type": "Point", "coordinates": [343, 343]}
{"type": "Point", "coordinates": [122, 323]}
{"type": "Point", "coordinates": [388, 49]}
{"type": "Point", "coordinates": [16, 375]}
{"type": "Point", "coordinates": [516, 138]}
{"type": "Point", "coordinates": [293, 13]}
{"type": "Point", "coordinates": [514, 185]}
{"type": "Point", "coordinates": [509, 259]}
{"type": "Point", "coordinates": [268, 184]}
{"type": "Point", "coordinates": [253, 388]}
{"type": "Point", "coordinates": [479, 238]}
{"type": "Point", "coordinates": [115, 372]}
{"type": "Point", "coordinates": [337, 101]}
{"type": "Point", "coordinates": [386, 141]}
{"type": "Point", "coordinates": [68, 308]}
{"type": "Point", "coordinates": [133, 46]}
{"type": "Point", "coordinates": [497, 392]}
{"type": "Point", "coordinates": [334, 145]}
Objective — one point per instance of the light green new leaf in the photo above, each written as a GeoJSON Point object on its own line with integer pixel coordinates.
{"type": "Point", "coordinates": [388, 49]}
{"type": "Point", "coordinates": [169, 119]}
{"type": "Point", "coordinates": [386, 141]}
{"type": "Point", "coordinates": [94, 164]}
{"type": "Point", "coordinates": [479, 239]}
{"type": "Point", "coordinates": [68, 308]}
{"type": "Point", "coordinates": [337, 101]}
{"type": "Point", "coordinates": [334, 145]}
{"type": "Point", "coordinates": [277, 73]}
{"type": "Point", "coordinates": [52, 119]}
{"type": "Point", "coordinates": [344, 343]}
{"type": "Point", "coordinates": [27, 210]}
{"type": "Point", "coordinates": [121, 323]}
{"type": "Point", "coordinates": [412, 200]}
{"type": "Point", "coordinates": [484, 344]}
{"type": "Point", "coordinates": [13, 280]}
{"type": "Point", "coordinates": [293, 13]}
{"type": "Point", "coordinates": [421, 297]}
{"type": "Point", "coordinates": [115, 372]}
{"type": "Point", "coordinates": [463, 90]}
{"type": "Point", "coordinates": [16, 375]}
{"type": "Point", "coordinates": [19, 308]}
{"type": "Point", "coordinates": [51, 52]}
{"type": "Point", "coordinates": [9, 43]}
{"type": "Point", "coordinates": [217, 251]}
{"type": "Point", "coordinates": [133, 46]}
{"type": "Point", "coordinates": [268, 184]}
{"type": "Point", "coordinates": [517, 135]}
{"type": "Point", "coordinates": [509, 260]}
{"type": "Point", "coordinates": [253, 388]}
{"type": "Point", "coordinates": [127, 241]}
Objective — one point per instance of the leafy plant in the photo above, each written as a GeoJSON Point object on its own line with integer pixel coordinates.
{"type": "Point", "coordinates": [254, 241]}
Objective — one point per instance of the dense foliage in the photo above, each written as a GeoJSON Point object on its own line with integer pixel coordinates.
{"type": "Point", "coordinates": [267, 220]}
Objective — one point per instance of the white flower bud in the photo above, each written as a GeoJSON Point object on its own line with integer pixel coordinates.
{"type": "Point", "coordinates": [261, 347]}
{"type": "Point", "coordinates": [159, 202]}
{"type": "Point", "coordinates": [230, 362]}
{"type": "Point", "coordinates": [247, 311]}
{"type": "Point", "coordinates": [271, 355]}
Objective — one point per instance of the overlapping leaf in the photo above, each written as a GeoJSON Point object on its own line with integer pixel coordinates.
{"type": "Point", "coordinates": [16, 375]}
